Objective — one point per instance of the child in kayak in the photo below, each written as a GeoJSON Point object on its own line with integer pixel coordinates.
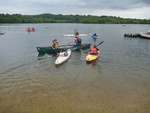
{"type": "Point", "coordinates": [94, 50]}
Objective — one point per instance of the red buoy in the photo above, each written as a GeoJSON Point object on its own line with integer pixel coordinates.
{"type": "Point", "coordinates": [33, 29]}
{"type": "Point", "coordinates": [28, 29]}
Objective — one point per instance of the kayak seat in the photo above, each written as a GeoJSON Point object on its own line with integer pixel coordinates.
{"type": "Point", "coordinates": [65, 54]}
{"type": "Point", "coordinates": [91, 53]}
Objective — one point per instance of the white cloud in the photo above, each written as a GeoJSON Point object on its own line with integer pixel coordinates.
{"type": "Point", "coordinates": [128, 13]}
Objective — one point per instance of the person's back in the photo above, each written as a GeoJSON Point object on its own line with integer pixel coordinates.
{"type": "Point", "coordinates": [94, 50]}
{"type": "Point", "coordinates": [53, 45]}
{"type": "Point", "coordinates": [56, 44]}
{"type": "Point", "coordinates": [94, 37]}
{"type": "Point", "coordinates": [78, 40]}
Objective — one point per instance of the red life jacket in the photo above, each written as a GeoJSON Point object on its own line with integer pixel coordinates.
{"type": "Point", "coordinates": [93, 51]}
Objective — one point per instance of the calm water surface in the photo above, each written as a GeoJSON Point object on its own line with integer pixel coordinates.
{"type": "Point", "coordinates": [118, 83]}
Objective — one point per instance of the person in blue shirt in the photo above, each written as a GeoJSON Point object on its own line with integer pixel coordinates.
{"type": "Point", "coordinates": [94, 37]}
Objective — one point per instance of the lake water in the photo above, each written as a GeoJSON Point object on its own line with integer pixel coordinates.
{"type": "Point", "coordinates": [118, 83]}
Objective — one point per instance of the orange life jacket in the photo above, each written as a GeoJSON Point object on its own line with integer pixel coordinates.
{"type": "Point", "coordinates": [93, 50]}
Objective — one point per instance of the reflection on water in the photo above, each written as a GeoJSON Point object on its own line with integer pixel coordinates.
{"type": "Point", "coordinates": [118, 83]}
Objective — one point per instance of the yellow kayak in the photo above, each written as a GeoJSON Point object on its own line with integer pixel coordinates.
{"type": "Point", "coordinates": [90, 57]}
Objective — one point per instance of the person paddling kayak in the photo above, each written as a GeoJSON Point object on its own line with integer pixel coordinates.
{"type": "Point", "coordinates": [94, 50]}
{"type": "Point", "coordinates": [55, 43]}
{"type": "Point", "coordinates": [63, 56]}
{"type": "Point", "coordinates": [93, 54]}
{"type": "Point", "coordinates": [77, 39]}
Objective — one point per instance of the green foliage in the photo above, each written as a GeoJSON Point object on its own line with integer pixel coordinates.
{"type": "Point", "coordinates": [51, 18]}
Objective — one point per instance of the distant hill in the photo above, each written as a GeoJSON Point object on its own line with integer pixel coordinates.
{"type": "Point", "coordinates": [52, 18]}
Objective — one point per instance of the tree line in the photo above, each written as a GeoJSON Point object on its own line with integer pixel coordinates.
{"type": "Point", "coordinates": [53, 18]}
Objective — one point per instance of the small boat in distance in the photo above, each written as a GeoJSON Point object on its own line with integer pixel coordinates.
{"type": "Point", "coordinates": [2, 33]}
{"type": "Point", "coordinates": [29, 29]}
{"type": "Point", "coordinates": [33, 29]}
{"type": "Point", "coordinates": [145, 35]}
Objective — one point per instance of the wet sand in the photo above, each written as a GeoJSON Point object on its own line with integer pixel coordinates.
{"type": "Point", "coordinates": [87, 91]}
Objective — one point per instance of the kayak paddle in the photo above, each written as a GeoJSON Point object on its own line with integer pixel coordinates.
{"type": "Point", "coordinates": [99, 43]}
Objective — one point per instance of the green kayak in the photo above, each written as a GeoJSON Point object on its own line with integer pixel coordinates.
{"type": "Point", "coordinates": [52, 51]}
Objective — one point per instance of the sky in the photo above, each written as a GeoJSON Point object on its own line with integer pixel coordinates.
{"type": "Point", "coordinates": [123, 8]}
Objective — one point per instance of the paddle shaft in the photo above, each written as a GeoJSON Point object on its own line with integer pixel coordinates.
{"type": "Point", "coordinates": [66, 45]}
{"type": "Point", "coordinates": [99, 43]}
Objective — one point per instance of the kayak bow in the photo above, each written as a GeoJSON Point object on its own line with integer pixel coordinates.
{"type": "Point", "coordinates": [90, 57]}
{"type": "Point", "coordinates": [63, 56]}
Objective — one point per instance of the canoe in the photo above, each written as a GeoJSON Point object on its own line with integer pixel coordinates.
{"type": "Point", "coordinates": [90, 57]}
{"type": "Point", "coordinates": [51, 51]}
{"type": "Point", "coordinates": [63, 57]}
{"type": "Point", "coordinates": [82, 47]}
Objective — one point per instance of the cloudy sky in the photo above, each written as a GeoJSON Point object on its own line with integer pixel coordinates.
{"type": "Point", "coordinates": [122, 8]}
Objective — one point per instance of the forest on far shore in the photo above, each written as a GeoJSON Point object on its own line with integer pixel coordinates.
{"type": "Point", "coordinates": [53, 18]}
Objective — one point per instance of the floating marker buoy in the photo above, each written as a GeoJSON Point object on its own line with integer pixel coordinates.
{"type": "Point", "coordinates": [28, 29]}
{"type": "Point", "coordinates": [33, 29]}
